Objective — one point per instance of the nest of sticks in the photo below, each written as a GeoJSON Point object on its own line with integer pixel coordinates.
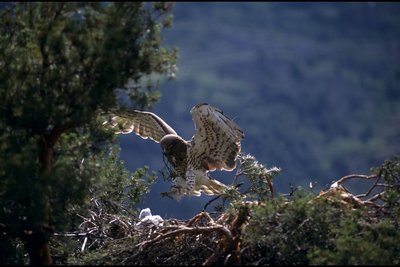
{"type": "Point", "coordinates": [205, 239]}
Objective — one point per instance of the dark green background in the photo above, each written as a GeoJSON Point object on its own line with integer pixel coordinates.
{"type": "Point", "coordinates": [314, 86]}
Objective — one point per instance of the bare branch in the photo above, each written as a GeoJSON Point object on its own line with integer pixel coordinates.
{"type": "Point", "coordinates": [351, 176]}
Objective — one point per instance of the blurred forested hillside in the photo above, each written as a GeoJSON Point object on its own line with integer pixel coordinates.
{"type": "Point", "coordinates": [314, 86]}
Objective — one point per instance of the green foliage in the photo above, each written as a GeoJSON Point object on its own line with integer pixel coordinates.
{"type": "Point", "coordinates": [359, 243]}
{"type": "Point", "coordinates": [261, 178]}
{"type": "Point", "coordinates": [260, 185]}
{"type": "Point", "coordinates": [61, 64]}
{"type": "Point", "coordinates": [306, 230]}
{"type": "Point", "coordinates": [296, 229]}
{"type": "Point", "coordinates": [281, 232]}
{"type": "Point", "coordinates": [390, 171]}
{"type": "Point", "coordinates": [115, 186]}
{"type": "Point", "coordinates": [115, 193]}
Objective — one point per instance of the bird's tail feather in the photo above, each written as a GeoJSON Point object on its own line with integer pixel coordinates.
{"type": "Point", "coordinates": [212, 187]}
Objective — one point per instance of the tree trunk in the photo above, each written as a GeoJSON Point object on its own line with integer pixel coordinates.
{"type": "Point", "coordinates": [37, 239]}
{"type": "Point", "coordinates": [37, 246]}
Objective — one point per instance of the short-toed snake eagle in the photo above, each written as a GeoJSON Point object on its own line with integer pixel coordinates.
{"type": "Point", "coordinates": [214, 146]}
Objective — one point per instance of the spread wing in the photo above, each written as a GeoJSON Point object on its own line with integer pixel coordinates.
{"type": "Point", "coordinates": [143, 123]}
{"type": "Point", "coordinates": [216, 142]}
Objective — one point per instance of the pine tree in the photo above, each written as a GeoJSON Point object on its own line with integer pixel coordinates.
{"type": "Point", "coordinates": [61, 64]}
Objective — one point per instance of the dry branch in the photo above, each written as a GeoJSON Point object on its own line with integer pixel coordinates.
{"type": "Point", "coordinates": [347, 198]}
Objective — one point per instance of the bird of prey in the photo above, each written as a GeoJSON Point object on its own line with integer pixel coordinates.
{"type": "Point", "coordinates": [215, 145]}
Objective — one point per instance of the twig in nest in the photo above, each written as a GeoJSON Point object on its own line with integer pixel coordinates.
{"type": "Point", "coordinates": [183, 230]}
{"type": "Point", "coordinates": [198, 217]}
{"type": "Point", "coordinates": [71, 234]}
{"type": "Point", "coordinates": [84, 244]}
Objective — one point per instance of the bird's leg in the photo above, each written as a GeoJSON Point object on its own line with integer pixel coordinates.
{"type": "Point", "coordinates": [175, 193]}
{"type": "Point", "coordinates": [190, 181]}
{"type": "Point", "coordinates": [177, 189]}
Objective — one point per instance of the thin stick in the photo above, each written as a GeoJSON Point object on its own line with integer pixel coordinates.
{"type": "Point", "coordinates": [184, 230]}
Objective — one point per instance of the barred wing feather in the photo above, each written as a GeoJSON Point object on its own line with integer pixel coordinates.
{"type": "Point", "coordinates": [216, 142]}
{"type": "Point", "coordinates": [143, 123]}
